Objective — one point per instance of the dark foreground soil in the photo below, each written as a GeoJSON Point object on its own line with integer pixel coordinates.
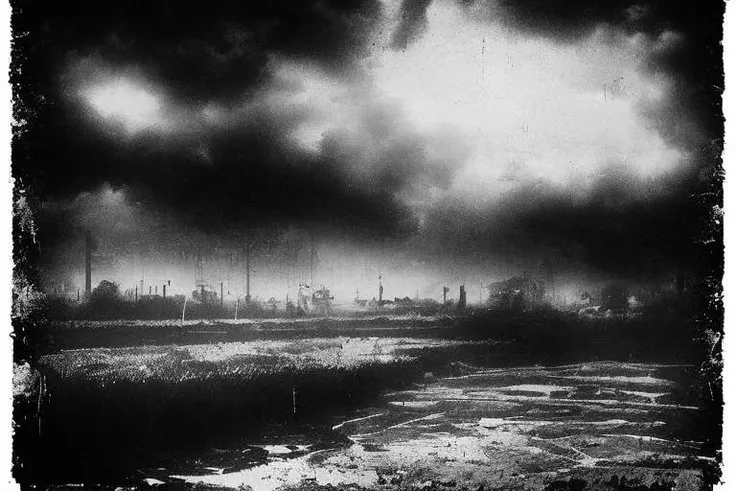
{"type": "Point", "coordinates": [505, 403]}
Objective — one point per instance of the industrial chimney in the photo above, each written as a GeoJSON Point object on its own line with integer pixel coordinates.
{"type": "Point", "coordinates": [88, 264]}
{"type": "Point", "coordinates": [247, 271]}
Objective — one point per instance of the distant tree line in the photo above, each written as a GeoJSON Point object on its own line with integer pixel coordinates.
{"type": "Point", "coordinates": [106, 302]}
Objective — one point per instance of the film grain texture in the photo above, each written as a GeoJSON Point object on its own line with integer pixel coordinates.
{"type": "Point", "coordinates": [367, 245]}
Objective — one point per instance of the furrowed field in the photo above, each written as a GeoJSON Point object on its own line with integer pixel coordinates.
{"type": "Point", "coordinates": [104, 406]}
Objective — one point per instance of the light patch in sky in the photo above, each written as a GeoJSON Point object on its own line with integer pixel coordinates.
{"type": "Point", "coordinates": [529, 108]}
{"type": "Point", "coordinates": [324, 103]}
{"type": "Point", "coordinates": [125, 102]}
{"type": "Point", "coordinates": [515, 109]}
{"type": "Point", "coordinates": [367, 131]}
{"type": "Point", "coordinates": [471, 101]}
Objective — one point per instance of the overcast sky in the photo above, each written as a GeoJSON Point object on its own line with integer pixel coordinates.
{"type": "Point", "coordinates": [443, 141]}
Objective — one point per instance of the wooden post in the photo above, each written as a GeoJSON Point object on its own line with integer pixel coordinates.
{"type": "Point", "coordinates": [183, 309]}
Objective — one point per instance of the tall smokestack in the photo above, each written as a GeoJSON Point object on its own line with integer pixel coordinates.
{"type": "Point", "coordinates": [87, 264]}
{"type": "Point", "coordinates": [311, 258]}
{"type": "Point", "coordinates": [247, 271]}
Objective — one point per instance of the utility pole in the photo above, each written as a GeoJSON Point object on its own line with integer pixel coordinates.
{"type": "Point", "coordinates": [380, 291]}
{"type": "Point", "coordinates": [230, 268]}
{"type": "Point", "coordinates": [311, 258]}
{"type": "Point", "coordinates": [222, 294]}
{"type": "Point", "coordinates": [247, 272]}
{"type": "Point", "coordinates": [87, 264]}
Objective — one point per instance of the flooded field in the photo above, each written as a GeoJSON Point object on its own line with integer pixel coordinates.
{"type": "Point", "coordinates": [606, 424]}
{"type": "Point", "coordinates": [409, 412]}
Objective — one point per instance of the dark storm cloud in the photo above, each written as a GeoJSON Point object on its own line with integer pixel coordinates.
{"type": "Point", "coordinates": [412, 23]}
{"type": "Point", "coordinates": [246, 171]}
{"type": "Point", "coordinates": [624, 225]}
{"type": "Point", "coordinates": [383, 152]}
{"type": "Point", "coordinates": [194, 48]}
{"type": "Point", "coordinates": [248, 176]}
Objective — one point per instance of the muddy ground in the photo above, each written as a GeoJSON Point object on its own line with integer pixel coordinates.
{"type": "Point", "coordinates": [517, 403]}
{"type": "Point", "coordinates": [602, 425]}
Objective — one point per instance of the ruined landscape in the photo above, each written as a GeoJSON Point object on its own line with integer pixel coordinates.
{"type": "Point", "coordinates": [492, 399]}
{"type": "Point", "coordinates": [369, 245]}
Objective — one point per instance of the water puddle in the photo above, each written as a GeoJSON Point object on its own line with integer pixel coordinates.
{"type": "Point", "coordinates": [537, 432]}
